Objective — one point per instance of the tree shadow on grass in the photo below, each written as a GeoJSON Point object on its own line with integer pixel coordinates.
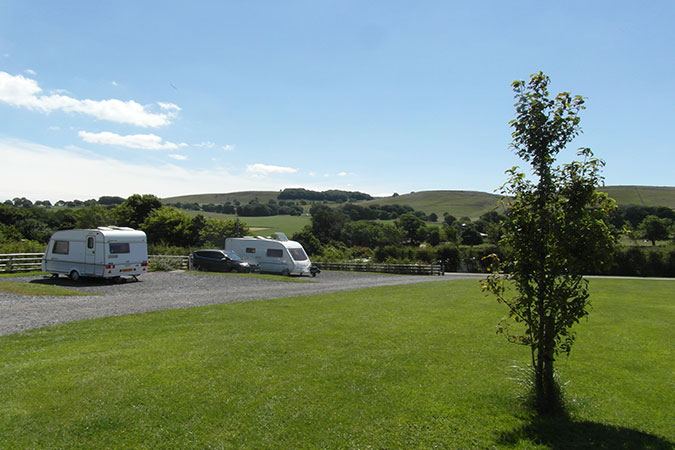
{"type": "Point", "coordinates": [562, 433]}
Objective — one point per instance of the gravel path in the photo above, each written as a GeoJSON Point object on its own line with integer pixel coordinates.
{"type": "Point", "coordinates": [170, 290]}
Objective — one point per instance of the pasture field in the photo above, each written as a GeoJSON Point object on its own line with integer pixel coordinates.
{"type": "Point", "coordinates": [264, 226]}
{"type": "Point", "coordinates": [416, 366]}
{"type": "Point", "coordinates": [642, 195]}
{"type": "Point", "coordinates": [457, 203]}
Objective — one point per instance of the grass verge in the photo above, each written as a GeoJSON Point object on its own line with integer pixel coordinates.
{"type": "Point", "coordinates": [416, 366]}
{"type": "Point", "coordinates": [13, 287]}
{"type": "Point", "coordinates": [22, 274]}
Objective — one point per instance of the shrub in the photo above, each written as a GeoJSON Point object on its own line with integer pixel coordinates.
{"type": "Point", "coordinates": [162, 264]}
{"type": "Point", "coordinates": [163, 248]}
{"type": "Point", "coordinates": [22, 246]}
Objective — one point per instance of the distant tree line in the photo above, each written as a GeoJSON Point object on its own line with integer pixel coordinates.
{"type": "Point", "coordinates": [27, 227]}
{"type": "Point", "coordinates": [345, 232]}
{"type": "Point", "coordinates": [330, 195]}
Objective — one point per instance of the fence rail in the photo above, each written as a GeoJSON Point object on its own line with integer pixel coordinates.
{"type": "Point", "coordinates": [407, 269]}
{"type": "Point", "coordinates": [24, 262]}
{"type": "Point", "coordinates": [178, 262]}
{"type": "Point", "coordinates": [20, 262]}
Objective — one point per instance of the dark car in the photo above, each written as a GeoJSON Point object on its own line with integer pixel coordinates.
{"type": "Point", "coordinates": [220, 261]}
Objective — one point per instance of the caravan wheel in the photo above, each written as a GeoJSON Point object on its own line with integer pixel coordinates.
{"type": "Point", "coordinates": [286, 273]}
{"type": "Point", "coordinates": [74, 275]}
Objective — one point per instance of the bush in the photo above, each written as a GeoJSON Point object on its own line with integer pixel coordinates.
{"type": "Point", "coordinates": [163, 248]}
{"type": "Point", "coordinates": [22, 246]}
{"type": "Point", "coordinates": [160, 264]}
{"type": "Point", "coordinates": [448, 255]}
{"type": "Point", "coordinates": [643, 262]}
{"type": "Point", "coordinates": [472, 257]}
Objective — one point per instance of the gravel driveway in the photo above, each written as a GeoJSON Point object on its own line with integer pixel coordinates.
{"type": "Point", "coordinates": [170, 290]}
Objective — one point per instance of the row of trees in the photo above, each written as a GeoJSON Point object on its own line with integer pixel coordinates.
{"type": "Point", "coordinates": [333, 195]}
{"type": "Point", "coordinates": [26, 203]}
{"type": "Point", "coordinates": [335, 229]}
{"type": "Point", "coordinates": [163, 224]}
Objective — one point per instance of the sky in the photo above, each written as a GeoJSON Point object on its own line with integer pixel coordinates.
{"type": "Point", "coordinates": [175, 98]}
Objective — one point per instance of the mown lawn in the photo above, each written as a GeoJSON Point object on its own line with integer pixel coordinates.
{"type": "Point", "coordinates": [20, 288]}
{"type": "Point", "coordinates": [400, 367]}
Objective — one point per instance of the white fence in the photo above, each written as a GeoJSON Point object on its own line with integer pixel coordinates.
{"type": "Point", "coordinates": [20, 262]}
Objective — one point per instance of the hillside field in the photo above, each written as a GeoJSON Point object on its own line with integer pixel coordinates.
{"type": "Point", "coordinates": [457, 203]}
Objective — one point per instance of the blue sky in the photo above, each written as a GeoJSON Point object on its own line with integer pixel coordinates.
{"type": "Point", "coordinates": [115, 98]}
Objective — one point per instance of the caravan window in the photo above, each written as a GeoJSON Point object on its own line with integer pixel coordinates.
{"type": "Point", "coordinates": [90, 242]}
{"type": "Point", "coordinates": [298, 254]}
{"type": "Point", "coordinates": [61, 247]}
{"type": "Point", "coordinates": [119, 247]}
{"type": "Point", "coordinates": [250, 250]}
{"type": "Point", "coordinates": [274, 253]}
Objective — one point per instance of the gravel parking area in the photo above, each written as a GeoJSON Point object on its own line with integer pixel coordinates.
{"type": "Point", "coordinates": [169, 290]}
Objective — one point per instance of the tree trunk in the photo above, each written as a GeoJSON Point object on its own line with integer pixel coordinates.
{"type": "Point", "coordinates": [546, 391]}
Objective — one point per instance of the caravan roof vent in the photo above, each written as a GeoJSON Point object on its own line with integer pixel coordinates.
{"type": "Point", "coordinates": [279, 236]}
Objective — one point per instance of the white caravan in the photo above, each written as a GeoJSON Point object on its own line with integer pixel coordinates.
{"type": "Point", "coordinates": [108, 252]}
{"type": "Point", "coordinates": [275, 255]}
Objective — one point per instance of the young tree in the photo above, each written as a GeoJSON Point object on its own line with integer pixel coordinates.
{"type": "Point", "coordinates": [556, 231]}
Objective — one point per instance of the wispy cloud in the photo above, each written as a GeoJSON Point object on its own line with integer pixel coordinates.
{"type": "Point", "coordinates": [114, 83]}
{"type": "Point", "coordinates": [205, 144]}
{"type": "Point", "coordinates": [169, 106]}
{"type": "Point", "coordinates": [178, 157]}
{"type": "Point", "coordinates": [23, 92]}
{"type": "Point", "coordinates": [30, 72]}
{"type": "Point", "coordinates": [49, 164]}
{"type": "Point", "coordinates": [140, 141]}
{"type": "Point", "coordinates": [265, 169]}
{"type": "Point", "coordinates": [228, 147]}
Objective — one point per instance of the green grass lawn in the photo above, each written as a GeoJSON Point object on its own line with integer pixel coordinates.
{"type": "Point", "coordinates": [13, 287]}
{"type": "Point", "coordinates": [22, 274]}
{"type": "Point", "coordinates": [416, 366]}
{"type": "Point", "coordinates": [263, 226]}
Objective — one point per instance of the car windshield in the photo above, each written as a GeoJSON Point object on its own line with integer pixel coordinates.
{"type": "Point", "coordinates": [298, 254]}
{"type": "Point", "coordinates": [232, 256]}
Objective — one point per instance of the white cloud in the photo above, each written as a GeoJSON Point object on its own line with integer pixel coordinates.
{"type": "Point", "coordinates": [178, 157]}
{"type": "Point", "coordinates": [52, 177]}
{"type": "Point", "coordinates": [141, 141]}
{"type": "Point", "coordinates": [30, 72]}
{"type": "Point", "coordinates": [114, 83]}
{"type": "Point", "coordinates": [205, 144]}
{"type": "Point", "coordinates": [228, 147]}
{"type": "Point", "coordinates": [169, 106]}
{"type": "Point", "coordinates": [342, 174]}
{"type": "Point", "coordinates": [265, 169]}
{"type": "Point", "coordinates": [20, 91]}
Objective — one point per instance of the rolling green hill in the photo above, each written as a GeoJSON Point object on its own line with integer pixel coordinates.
{"type": "Point", "coordinates": [217, 199]}
{"type": "Point", "coordinates": [457, 203]}
{"type": "Point", "coordinates": [642, 195]}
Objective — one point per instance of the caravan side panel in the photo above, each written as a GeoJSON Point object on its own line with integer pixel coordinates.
{"type": "Point", "coordinates": [102, 252]}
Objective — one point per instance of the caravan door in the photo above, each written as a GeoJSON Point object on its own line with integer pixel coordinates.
{"type": "Point", "coordinates": [275, 261]}
{"type": "Point", "coordinates": [90, 255]}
